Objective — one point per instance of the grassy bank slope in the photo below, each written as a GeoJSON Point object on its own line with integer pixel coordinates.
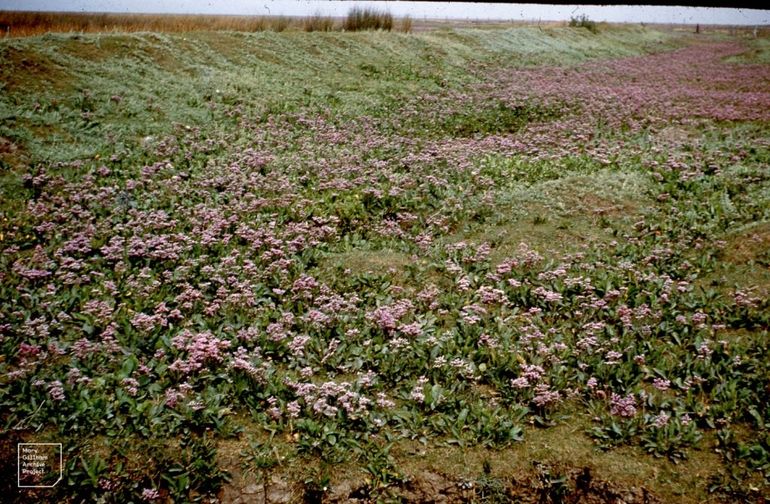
{"type": "Point", "coordinates": [71, 96]}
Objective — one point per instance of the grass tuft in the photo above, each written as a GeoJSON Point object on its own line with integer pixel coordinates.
{"type": "Point", "coordinates": [583, 22]}
{"type": "Point", "coordinates": [360, 19]}
{"type": "Point", "coordinates": [406, 24]}
{"type": "Point", "coordinates": [318, 22]}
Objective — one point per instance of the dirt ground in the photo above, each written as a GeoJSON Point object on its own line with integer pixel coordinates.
{"type": "Point", "coordinates": [544, 484]}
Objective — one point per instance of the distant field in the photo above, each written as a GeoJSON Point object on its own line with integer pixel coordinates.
{"type": "Point", "coordinates": [472, 265]}
{"type": "Point", "coordinates": [26, 24]}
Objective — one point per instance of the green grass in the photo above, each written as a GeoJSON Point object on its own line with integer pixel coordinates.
{"type": "Point", "coordinates": [757, 53]}
{"type": "Point", "coordinates": [73, 96]}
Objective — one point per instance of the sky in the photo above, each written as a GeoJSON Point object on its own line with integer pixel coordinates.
{"type": "Point", "coordinates": [439, 10]}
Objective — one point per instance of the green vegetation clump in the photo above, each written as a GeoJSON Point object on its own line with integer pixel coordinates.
{"type": "Point", "coordinates": [583, 21]}
{"type": "Point", "coordinates": [495, 118]}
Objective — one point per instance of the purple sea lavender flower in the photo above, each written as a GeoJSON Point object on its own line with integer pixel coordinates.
{"type": "Point", "coordinates": [661, 420]}
{"type": "Point", "coordinates": [150, 495]}
{"type": "Point", "coordinates": [661, 384]}
{"type": "Point", "coordinates": [56, 391]}
{"type": "Point", "coordinates": [623, 406]}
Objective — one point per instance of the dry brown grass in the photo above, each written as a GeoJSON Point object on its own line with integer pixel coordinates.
{"type": "Point", "coordinates": [406, 24]}
{"type": "Point", "coordinates": [24, 24]}
{"type": "Point", "coordinates": [360, 19]}
{"type": "Point", "coordinates": [318, 22]}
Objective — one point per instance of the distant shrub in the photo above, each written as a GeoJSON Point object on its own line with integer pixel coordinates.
{"type": "Point", "coordinates": [406, 24]}
{"type": "Point", "coordinates": [367, 19]}
{"type": "Point", "coordinates": [583, 21]}
{"type": "Point", "coordinates": [317, 22]}
{"type": "Point", "coordinates": [280, 23]}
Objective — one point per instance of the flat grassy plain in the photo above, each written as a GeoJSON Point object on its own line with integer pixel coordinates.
{"type": "Point", "coordinates": [471, 265]}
